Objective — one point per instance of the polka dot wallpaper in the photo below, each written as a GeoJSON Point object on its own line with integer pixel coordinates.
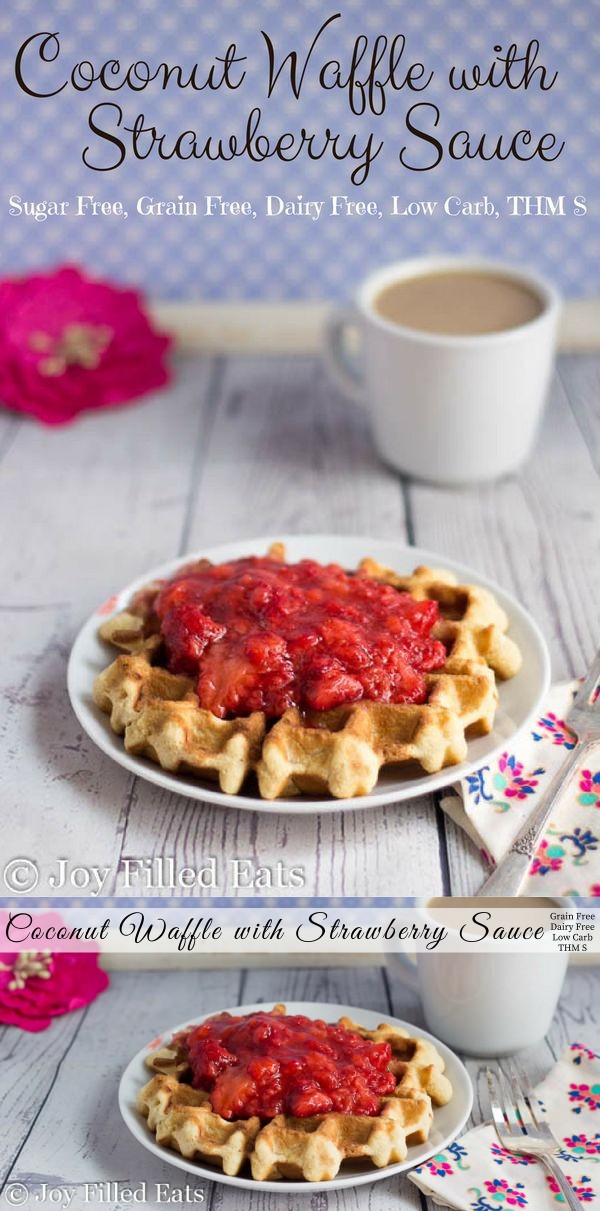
{"type": "Point", "coordinates": [295, 255]}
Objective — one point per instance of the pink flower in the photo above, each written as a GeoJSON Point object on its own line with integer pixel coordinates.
{"type": "Point", "coordinates": [556, 728]}
{"type": "Point", "coordinates": [440, 1167]}
{"type": "Point", "coordinates": [510, 766]}
{"type": "Point", "coordinates": [516, 1158]}
{"type": "Point", "coordinates": [548, 857]}
{"type": "Point", "coordinates": [582, 1050]}
{"type": "Point", "coordinates": [69, 344]}
{"type": "Point", "coordinates": [581, 1186]}
{"type": "Point", "coordinates": [581, 1145]}
{"type": "Point", "coordinates": [511, 780]}
{"type": "Point", "coordinates": [503, 1193]}
{"type": "Point", "coordinates": [38, 985]}
{"type": "Point", "coordinates": [588, 1095]}
{"type": "Point", "coordinates": [589, 787]}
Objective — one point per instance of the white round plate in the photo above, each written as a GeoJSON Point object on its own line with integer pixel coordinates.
{"type": "Point", "coordinates": [520, 697]}
{"type": "Point", "coordinates": [447, 1120]}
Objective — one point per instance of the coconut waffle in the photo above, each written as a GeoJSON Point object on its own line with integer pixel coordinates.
{"type": "Point", "coordinates": [339, 752]}
{"type": "Point", "coordinates": [159, 716]}
{"type": "Point", "coordinates": [310, 1148]}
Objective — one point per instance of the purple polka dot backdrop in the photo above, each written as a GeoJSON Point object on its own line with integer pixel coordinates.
{"type": "Point", "coordinates": [298, 255]}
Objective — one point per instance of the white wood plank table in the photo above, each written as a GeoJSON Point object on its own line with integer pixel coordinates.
{"type": "Point", "coordinates": [242, 447]}
{"type": "Point", "coordinates": [58, 1090]}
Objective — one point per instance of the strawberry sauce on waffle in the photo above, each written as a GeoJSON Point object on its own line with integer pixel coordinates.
{"type": "Point", "coordinates": [267, 1064]}
{"type": "Point", "coordinates": [262, 635]}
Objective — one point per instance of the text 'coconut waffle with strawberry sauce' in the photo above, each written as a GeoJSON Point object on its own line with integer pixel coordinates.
{"type": "Point", "coordinates": [266, 1061]}
{"type": "Point", "coordinates": [286, 656]}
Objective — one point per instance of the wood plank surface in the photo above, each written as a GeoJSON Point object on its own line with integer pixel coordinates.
{"type": "Point", "coordinates": [67, 1129]}
{"type": "Point", "coordinates": [84, 509]}
{"type": "Point", "coordinates": [240, 447]}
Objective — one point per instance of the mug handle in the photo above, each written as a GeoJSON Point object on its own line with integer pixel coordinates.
{"type": "Point", "coordinates": [344, 366]}
{"type": "Point", "coordinates": [407, 971]}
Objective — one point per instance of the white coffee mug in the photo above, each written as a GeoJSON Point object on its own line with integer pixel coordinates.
{"type": "Point", "coordinates": [484, 1003]}
{"type": "Point", "coordinates": [455, 410]}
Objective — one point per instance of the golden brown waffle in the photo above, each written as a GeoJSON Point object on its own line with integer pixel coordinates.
{"type": "Point", "coordinates": [181, 1118]}
{"type": "Point", "coordinates": [338, 752]}
{"type": "Point", "coordinates": [415, 1062]}
{"type": "Point", "coordinates": [130, 633]}
{"type": "Point", "coordinates": [313, 1148]}
{"type": "Point", "coordinates": [159, 715]}
{"type": "Point", "coordinates": [472, 625]}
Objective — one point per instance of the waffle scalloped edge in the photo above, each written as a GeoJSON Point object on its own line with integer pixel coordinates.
{"type": "Point", "coordinates": [312, 1148]}
{"type": "Point", "coordinates": [339, 751]}
{"type": "Point", "coordinates": [159, 716]}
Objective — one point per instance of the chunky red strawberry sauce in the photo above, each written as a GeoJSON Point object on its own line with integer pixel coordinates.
{"type": "Point", "coordinates": [268, 1064]}
{"type": "Point", "coordinates": [263, 636]}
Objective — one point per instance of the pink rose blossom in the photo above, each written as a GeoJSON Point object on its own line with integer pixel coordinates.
{"type": "Point", "coordinates": [38, 985]}
{"type": "Point", "coordinates": [69, 344]}
{"type": "Point", "coordinates": [66, 982]}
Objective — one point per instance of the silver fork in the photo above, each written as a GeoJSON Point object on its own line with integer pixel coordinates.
{"type": "Point", "coordinates": [520, 1127]}
{"type": "Point", "coordinates": [584, 721]}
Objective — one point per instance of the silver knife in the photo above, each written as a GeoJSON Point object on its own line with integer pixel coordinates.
{"type": "Point", "coordinates": [583, 720]}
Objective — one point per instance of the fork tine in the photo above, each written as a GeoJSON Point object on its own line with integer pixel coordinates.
{"type": "Point", "coordinates": [497, 1115]}
{"type": "Point", "coordinates": [532, 1101]}
{"type": "Point", "coordinates": [507, 1107]}
{"type": "Point", "coordinates": [591, 682]}
{"type": "Point", "coordinates": [586, 704]}
{"type": "Point", "coordinates": [522, 1108]}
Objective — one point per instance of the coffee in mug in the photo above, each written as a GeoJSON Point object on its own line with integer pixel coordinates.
{"type": "Point", "coordinates": [458, 303]}
{"type": "Point", "coordinates": [453, 364]}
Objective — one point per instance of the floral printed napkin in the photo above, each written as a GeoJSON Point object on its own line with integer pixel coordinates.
{"type": "Point", "coordinates": [493, 804]}
{"type": "Point", "coordinates": [476, 1174]}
